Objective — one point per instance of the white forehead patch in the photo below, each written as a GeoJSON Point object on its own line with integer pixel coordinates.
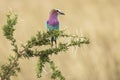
{"type": "Point", "coordinates": [58, 10]}
{"type": "Point", "coordinates": [55, 9]}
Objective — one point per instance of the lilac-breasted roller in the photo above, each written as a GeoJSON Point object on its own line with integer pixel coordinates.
{"type": "Point", "coordinates": [53, 22]}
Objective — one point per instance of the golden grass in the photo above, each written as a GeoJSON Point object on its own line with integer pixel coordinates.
{"type": "Point", "coordinates": [97, 19]}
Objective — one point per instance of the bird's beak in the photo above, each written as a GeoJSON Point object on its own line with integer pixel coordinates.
{"type": "Point", "coordinates": [61, 13]}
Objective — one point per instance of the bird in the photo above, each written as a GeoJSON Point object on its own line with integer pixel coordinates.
{"type": "Point", "coordinates": [53, 23]}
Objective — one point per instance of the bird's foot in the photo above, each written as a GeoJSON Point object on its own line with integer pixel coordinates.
{"type": "Point", "coordinates": [52, 44]}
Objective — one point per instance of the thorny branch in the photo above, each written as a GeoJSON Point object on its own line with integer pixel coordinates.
{"type": "Point", "coordinates": [12, 67]}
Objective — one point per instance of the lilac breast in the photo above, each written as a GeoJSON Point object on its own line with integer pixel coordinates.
{"type": "Point", "coordinates": [53, 22]}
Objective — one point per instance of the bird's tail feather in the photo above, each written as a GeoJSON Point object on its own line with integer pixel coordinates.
{"type": "Point", "coordinates": [53, 39]}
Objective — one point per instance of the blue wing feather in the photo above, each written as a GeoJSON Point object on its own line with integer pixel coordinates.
{"type": "Point", "coordinates": [52, 27]}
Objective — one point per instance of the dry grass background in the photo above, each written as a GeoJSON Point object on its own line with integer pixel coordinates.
{"type": "Point", "coordinates": [97, 19]}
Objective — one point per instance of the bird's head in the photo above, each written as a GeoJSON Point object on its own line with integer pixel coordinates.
{"type": "Point", "coordinates": [56, 12]}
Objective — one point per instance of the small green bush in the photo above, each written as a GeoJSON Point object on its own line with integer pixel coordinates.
{"type": "Point", "coordinates": [41, 38]}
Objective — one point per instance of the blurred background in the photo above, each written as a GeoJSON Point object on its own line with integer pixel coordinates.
{"type": "Point", "coordinates": [99, 20]}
